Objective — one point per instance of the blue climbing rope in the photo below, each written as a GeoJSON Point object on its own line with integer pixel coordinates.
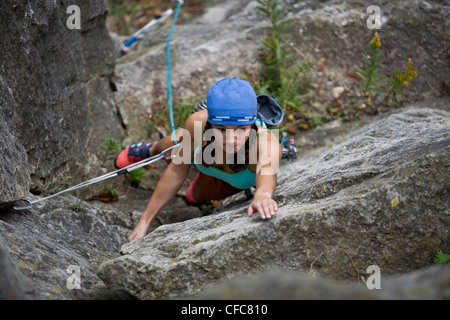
{"type": "Point", "coordinates": [169, 69]}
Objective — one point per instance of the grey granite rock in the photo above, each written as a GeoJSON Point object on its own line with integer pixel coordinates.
{"type": "Point", "coordinates": [378, 198]}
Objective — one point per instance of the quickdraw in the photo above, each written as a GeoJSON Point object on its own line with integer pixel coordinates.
{"type": "Point", "coordinates": [109, 175]}
{"type": "Point", "coordinates": [138, 35]}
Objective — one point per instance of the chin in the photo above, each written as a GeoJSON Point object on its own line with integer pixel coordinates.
{"type": "Point", "coordinates": [232, 149]}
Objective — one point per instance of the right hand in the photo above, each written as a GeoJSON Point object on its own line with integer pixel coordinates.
{"type": "Point", "coordinates": [139, 231]}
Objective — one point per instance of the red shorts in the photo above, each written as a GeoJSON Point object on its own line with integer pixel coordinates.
{"type": "Point", "coordinates": [205, 188]}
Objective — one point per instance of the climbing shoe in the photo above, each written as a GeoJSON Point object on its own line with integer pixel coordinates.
{"type": "Point", "coordinates": [135, 153]}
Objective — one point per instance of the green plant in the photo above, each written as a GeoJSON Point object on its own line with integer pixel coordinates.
{"type": "Point", "coordinates": [150, 129]}
{"type": "Point", "coordinates": [77, 207]}
{"type": "Point", "coordinates": [48, 188]}
{"type": "Point", "coordinates": [313, 119]}
{"type": "Point", "coordinates": [354, 112]}
{"type": "Point", "coordinates": [108, 149]}
{"type": "Point", "coordinates": [446, 86]}
{"type": "Point", "coordinates": [206, 209]}
{"type": "Point", "coordinates": [398, 80]}
{"type": "Point", "coordinates": [281, 75]}
{"type": "Point", "coordinates": [136, 176]}
{"type": "Point", "coordinates": [275, 61]}
{"type": "Point", "coordinates": [371, 75]}
{"type": "Point", "coordinates": [111, 190]}
{"type": "Point", "coordinates": [184, 107]}
{"type": "Point", "coordinates": [441, 257]}
{"type": "Point", "coordinates": [292, 85]}
{"type": "Point", "coordinates": [373, 79]}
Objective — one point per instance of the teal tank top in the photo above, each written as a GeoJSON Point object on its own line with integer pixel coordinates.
{"type": "Point", "coordinates": [241, 180]}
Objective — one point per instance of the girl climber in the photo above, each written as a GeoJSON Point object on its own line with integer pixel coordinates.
{"type": "Point", "coordinates": [240, 153]}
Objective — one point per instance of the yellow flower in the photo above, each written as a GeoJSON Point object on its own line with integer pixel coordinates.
{"type": "Point", "coordinates": [376, 41]}
{"type": "Point", "coordinates": [408, 74]}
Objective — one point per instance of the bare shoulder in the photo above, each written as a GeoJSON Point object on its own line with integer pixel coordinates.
{"type": "Point", "coordinates": [265, 134]}
{"type": "Point", "coordinates": [268, 142]}
{"type": "Point", "coordinates": [194, 124]}
{"type": "Point", "coordinates": [197, 118]}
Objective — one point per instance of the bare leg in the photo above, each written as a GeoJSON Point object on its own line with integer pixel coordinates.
{"type": "Point", "coordinates": [161, 145]}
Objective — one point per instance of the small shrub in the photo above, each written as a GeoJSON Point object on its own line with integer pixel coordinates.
{"type": "Point", "coordinates": [108, 149]}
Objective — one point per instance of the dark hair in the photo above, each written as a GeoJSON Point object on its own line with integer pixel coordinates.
{"type": "Point", "coordinates": [235, 166]}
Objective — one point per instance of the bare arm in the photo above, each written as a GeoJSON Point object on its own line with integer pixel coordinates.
{"type": "Point", "coordinates": [169, 184]}
{"type": "Point", "coordinates": [270, 153]}
{"type": "Point", "coordinates": [167, 187]}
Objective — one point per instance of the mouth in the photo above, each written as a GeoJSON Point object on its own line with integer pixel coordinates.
{"type": "Point", "coordinates": [231, 147]}
{"type": "Point", "coordinates": [228, 147]}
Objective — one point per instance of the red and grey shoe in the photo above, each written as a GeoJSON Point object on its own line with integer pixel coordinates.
{"type": "Point", "coordinates": [135, 153]}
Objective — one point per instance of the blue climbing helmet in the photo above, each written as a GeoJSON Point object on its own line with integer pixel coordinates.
{"type": "Point", "coordinates": [232, 101]}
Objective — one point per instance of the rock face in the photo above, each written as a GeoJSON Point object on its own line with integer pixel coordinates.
{"type": "Point", "coordinates": [374, 196]}
{"type": "Point", "coordinates": [48, 244]}
{"type": "Point", "coordinates": [43, 247]}
{"type": "Point", "coordinates": [381, 198]}
{"type": "Point", "coordinates": [226, 41]}
{"type": "Point", "coordinates": [56, 104]}
{"type": "Point", "coordinates": [339, 29]}
{"type": "Point", "coordinates": [14, 168]}
{"type": "Point", "coordinates": [215, 46]}
{"type": "Point", "coordinates": [431, 283]}
{"type": "Point", "coordinates": [55, 93]}
{"type": "Point", "coordinates": [14, 285]}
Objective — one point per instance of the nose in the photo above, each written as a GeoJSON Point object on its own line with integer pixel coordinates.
{"type": "Point", "coordinates": [230, 135]}
{"type": "Point", "coordinates": [230, 138]}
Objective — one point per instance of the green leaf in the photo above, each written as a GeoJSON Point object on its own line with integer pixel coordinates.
{"type": "Point", "coordinates": [441, 257]}
{"type": "Point", "coordinates": [267, 43]}
{"type": "Point", "coordinates": [362, 76]}
{"type": "Point", "coordinates": [263, 10]}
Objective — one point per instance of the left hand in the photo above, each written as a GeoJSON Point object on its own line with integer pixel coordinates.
{"type": "Point", "coordinates": [264, 205]}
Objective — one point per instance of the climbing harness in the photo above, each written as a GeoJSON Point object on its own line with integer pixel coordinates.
{"type": "Point", "coordinates": [138, 35]}
{"type": "Point", "coordinates": [113, 174]}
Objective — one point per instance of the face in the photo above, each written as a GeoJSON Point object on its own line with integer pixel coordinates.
{"type": "Point", "coordinates": [233, 137]}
